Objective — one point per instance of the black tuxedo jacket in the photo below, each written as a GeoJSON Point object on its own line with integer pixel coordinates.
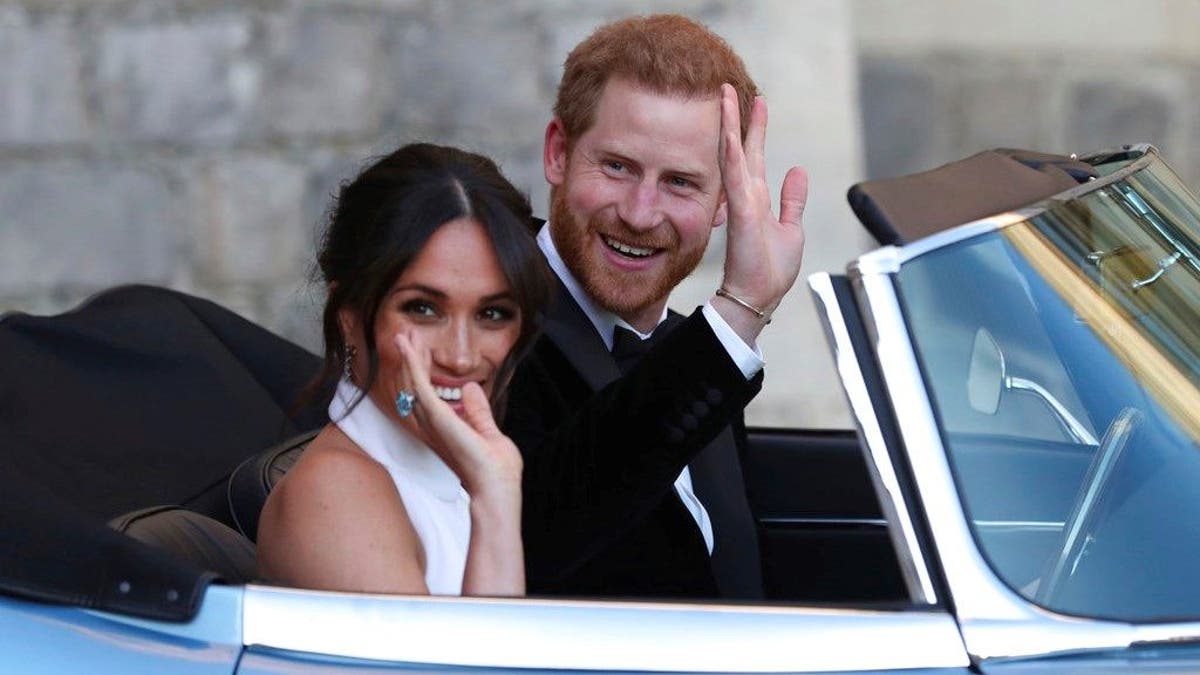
{"type": "Point", "coordinates": [602, 452]}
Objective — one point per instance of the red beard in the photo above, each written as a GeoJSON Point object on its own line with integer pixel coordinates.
{"type": "Point", "coordinates": [621, 292]}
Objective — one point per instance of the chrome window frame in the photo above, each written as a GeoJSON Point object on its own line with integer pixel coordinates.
{"type": "Point", "coordinates": [996, 622]}
{"type": "Point", "coordinates": [914, 562]}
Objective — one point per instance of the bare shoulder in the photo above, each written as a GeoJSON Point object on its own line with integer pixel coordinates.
{"type": "Point", "coordinates": [336, 521]}
{"type": "Point", "coordinates": [333, 479]}
{"type": "Point", "coordinates": [330, 465]}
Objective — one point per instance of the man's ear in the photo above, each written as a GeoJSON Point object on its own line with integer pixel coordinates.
{"type": "Point", "coordinates": [722, 213]}
{"type": "Point", "coordinates": [554, 152]}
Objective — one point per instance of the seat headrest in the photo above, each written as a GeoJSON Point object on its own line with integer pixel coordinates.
{"type": "Point", "coordinates": [253, 480]}
{"type": "Point", "coordinates": [204, 542]}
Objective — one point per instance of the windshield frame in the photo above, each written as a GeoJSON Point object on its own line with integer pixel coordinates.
{"type": "Point", "coordinates": [979, 598]}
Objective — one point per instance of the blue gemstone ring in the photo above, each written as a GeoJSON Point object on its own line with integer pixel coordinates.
{"type": "Point", "coordinates": [405, 402]}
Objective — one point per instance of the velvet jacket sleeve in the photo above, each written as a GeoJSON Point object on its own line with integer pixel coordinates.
{"type": "Point", "coordinates": [597, 462]}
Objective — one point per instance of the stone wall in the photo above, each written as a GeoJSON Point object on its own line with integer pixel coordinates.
{"type": "Point", "coordinates": [195, 144]}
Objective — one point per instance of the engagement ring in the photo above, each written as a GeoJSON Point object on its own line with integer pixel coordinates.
{"type": "Point", "coordinates": [405, 401]}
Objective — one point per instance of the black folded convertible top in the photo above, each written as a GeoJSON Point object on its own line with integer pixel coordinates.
{"type": "Point", "coordinates": [140, 397]}
{"type": "Point", "coordinates": [902, 209]}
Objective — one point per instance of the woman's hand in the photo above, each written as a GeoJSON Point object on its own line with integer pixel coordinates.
{"type": "Point", "coordinates": [472, 445]}
{"type": "Point", "coordinates": [489, 466]}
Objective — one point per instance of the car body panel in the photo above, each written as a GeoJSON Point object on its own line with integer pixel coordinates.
{"type": "Point", "coordinates": [602, 635]}
{"type": "Point", "coordinates": [43, 638]}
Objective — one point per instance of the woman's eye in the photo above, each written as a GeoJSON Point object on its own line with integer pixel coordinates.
{"type": "Point", "coordinates": [419, 308]}
{"type": "Point", "coordinates": [497, 314]}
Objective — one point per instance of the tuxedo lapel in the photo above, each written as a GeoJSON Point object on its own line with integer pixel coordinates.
{"type": "Point", "coordinates": [569, 328]}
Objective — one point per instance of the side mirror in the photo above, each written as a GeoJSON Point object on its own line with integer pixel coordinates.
{"type": "Point", "coordinates": [985, 378]}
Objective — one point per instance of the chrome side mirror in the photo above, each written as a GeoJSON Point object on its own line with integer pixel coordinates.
{"type": "Point", "coordinates": [985, 377]}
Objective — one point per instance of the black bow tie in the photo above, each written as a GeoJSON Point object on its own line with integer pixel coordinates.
{"type": "Point", "coordinates": [628, 348]}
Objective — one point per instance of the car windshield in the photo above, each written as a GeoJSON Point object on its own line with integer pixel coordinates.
{"type": "Point", "coordinates": [1062, 355]}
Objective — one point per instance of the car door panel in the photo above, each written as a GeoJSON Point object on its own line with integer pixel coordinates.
{"type": "Point", "coordinates": [821, 531]}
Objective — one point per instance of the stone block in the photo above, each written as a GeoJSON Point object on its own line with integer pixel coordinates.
{"type": "Point", "coordinates": [327, 172]}
{"type": "Point", "coordinates": [473, 72]}
{"type": "Point", "coordinates": [252, 228]}
{"type": "Point", "coordinates": [999, 26]}
{"type": "Point", "coordinates": [322, 74]}
{"type": "Point", "coordinates": [1109, 113]}
{"type": "Point", "coordinates": [86, 224]}
{"type": "Point", "coordinates": [1184, 158]}
{"type": "Point", "coordinates": [297, 315]}
{"type": "Point", "coordinates": [180, 81]}
{"type": "Point", "coordinates": [1002, 103]}
{"type": "Point", "coordinates": [900, 116]}
{"type": "Point", "coordinates": [475, 79]}
{"type": "Point", "coordinates": [41, 91]}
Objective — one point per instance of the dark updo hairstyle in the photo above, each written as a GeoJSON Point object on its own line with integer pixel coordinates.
{"type": "Point", "coordinates": [382, 220]}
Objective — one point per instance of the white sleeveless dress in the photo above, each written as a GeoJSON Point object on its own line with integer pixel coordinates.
{"type": "Point", "coordinates": [437, 504]}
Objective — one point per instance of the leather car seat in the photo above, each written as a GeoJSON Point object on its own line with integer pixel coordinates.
{"type": "Point", "coordinates": [253, 479]}
{"type": "Point", "coordinates": [194, 537]}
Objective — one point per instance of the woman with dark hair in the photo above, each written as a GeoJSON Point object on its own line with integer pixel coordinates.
{"type": "Point", "coordinates": [434, 286]}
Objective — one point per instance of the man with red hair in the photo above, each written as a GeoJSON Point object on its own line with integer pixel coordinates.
{"type": "Point", "coordinates": [629, 416]}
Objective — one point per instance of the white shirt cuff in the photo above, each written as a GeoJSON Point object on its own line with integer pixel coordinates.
{"type": "Point", "coordinates": [748, 359]}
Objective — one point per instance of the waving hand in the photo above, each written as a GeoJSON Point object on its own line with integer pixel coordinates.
{"type": "Point", "coordinates": [489, 466]}
{"type": "Point", "coordinates": [763, 253]}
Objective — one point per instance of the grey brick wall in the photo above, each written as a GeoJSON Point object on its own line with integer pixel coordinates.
{"type": "Point", "coordinates": [196, 143]}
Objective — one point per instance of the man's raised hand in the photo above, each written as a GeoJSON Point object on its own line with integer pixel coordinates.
{"type": "Point", "coordinates": [763, 253]}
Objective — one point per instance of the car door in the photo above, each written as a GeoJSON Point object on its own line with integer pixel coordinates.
{"type": "Point", "coordinates": [822, 534]}
{"type": "Point", "coordinates": [290, 630]}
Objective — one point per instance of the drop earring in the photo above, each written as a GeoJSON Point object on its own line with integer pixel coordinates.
{"type": "Point", "coordinates": [350, 352]}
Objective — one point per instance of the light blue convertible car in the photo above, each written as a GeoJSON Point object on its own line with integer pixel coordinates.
{"type": "Point", "coordinates": [1021, 493]}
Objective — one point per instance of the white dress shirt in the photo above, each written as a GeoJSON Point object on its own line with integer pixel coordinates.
{"type": "Point", "coordinates": [749, 360]}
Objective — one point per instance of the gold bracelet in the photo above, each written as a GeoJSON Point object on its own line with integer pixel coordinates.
{"type": "Point", "coordinates": [730, 296]}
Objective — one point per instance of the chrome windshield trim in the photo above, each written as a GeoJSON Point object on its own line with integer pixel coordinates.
{"type": "Point", "coordinates": [888, 259]}
{"type": "Point", "coordinates": [595, 635]}
{"type": "Point", "coordinates": [914, 564]}
{"type": "Point", "coordinates": [961, 232]}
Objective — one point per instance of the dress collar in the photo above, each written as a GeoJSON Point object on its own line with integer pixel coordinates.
{"type": "Point", "coordinates": [391, 444]}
